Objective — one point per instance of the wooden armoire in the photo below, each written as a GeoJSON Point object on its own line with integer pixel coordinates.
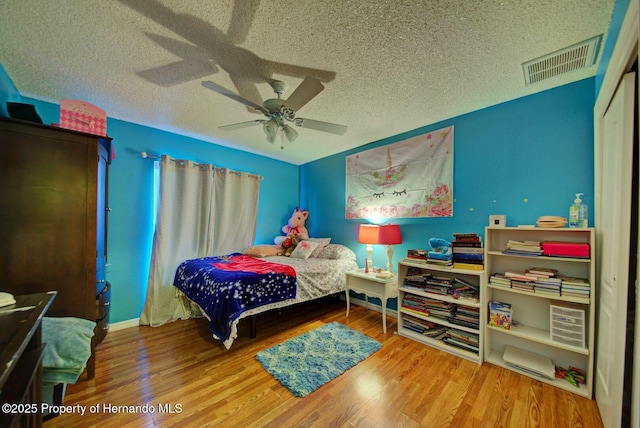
{"type": "Point", "coordinates": [53, 219]}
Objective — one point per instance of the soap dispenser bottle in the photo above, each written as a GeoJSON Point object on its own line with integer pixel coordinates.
{"type": "Point", "coordinates": [574, 212]}
{"type": "Point", "coordinates": [583, 216]}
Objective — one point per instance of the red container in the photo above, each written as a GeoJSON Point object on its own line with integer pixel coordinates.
{"type": "Point", "coordinates": [565, 249]}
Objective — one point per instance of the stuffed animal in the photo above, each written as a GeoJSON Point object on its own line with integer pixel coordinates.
{"type": "Point", "coordinates": [288, 245]}
{"type": "Point", "coordinates": [295, 226]}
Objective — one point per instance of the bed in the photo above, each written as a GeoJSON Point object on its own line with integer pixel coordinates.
{"type": "Point", "coordinates": [231, 287]}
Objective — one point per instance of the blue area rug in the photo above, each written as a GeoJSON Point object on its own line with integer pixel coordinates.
{"type": "Point", "coordinates": [306, 362]}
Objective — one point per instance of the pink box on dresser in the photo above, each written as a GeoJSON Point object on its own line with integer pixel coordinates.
{"type": "Point", "coordinates": [84, 117]}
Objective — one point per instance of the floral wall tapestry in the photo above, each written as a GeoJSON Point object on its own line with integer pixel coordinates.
{"type": "Point", "coordinates": [410, 178]}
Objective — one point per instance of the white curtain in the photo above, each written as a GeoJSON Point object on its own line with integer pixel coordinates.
{"type": "Point", "coordinates": [202, 211]}
{"type": "Point", "coordinates": [234, 211]}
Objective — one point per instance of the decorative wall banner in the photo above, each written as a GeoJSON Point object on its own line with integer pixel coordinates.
{"type": "Point", "coordinates": [410, 178]}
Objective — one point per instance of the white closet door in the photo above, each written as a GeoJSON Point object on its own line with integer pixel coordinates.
{"type": "Point", "coordinates": [613, 229]}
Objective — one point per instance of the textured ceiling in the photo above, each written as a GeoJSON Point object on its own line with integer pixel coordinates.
{"type": "Point", "coordinates": [387, 66]}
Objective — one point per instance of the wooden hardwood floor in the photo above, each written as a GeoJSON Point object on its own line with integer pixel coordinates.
{"type": "Point", "coordinates": [185, 378]}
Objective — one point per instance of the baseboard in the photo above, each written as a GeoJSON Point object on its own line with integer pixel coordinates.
{"type": "Point", "coordinates": [124, 324]}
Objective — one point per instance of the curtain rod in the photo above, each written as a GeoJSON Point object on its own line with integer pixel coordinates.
{"type": "Point", "coordinates": [146, 155]}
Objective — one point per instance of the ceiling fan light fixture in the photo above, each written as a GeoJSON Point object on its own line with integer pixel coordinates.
{"type": "Point", "coordinates": [271, 139]}
{"type": "Point", "coordinates": [290, 133]}
{"type": "Point", "coordinates": [270, 128]}
{"type": "Point", "coordinates": [279, 111]}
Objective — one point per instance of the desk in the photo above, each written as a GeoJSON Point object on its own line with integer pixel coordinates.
{"type": "Point", "coordinates": [21, 358]}
{"type": "Point", "coordinates": [371, 286]}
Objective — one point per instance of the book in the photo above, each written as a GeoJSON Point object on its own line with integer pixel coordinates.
{"type": "Point", "coordinates": [467, 256]}
{"type": "Point", "coordinates": [467, 250]}
{"type": "Point", "coordinates": [521, 276]}
{"type": "Point", "coordinates": [414, 260]}
{"type": "Point", "coordinates": [567, 280]}
{"type": "Point", "coordinates": [500, 314]}
{"type": "Point", "coordinates": [468, 266]}
{"type": "Point", "coordinates": [470, 244]}
{"type": "Point", "coordinates": [529, 362]}
{"type": "Point", "coordinates": [542, 272]}
{"type": "Point", "coordinates": [466, 237]}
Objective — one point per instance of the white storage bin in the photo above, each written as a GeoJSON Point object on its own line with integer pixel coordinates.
{"type": "Point", "coordinates": [568, 326]}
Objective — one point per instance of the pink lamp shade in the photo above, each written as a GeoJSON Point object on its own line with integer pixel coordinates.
{"type": "Point", "coordinates": [389, 234]}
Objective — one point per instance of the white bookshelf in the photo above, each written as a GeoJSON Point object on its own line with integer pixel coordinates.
{"type": "Point", "coordinates": [531, 311]}
{"type": "Point", "coordinates": [475, 277]}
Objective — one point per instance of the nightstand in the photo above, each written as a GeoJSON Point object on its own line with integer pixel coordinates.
{"type": "Point", "coordinates": [371, 286]}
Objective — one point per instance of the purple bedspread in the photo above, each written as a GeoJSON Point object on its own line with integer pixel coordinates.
{"type": "Point", "coordinates": [224, 287]}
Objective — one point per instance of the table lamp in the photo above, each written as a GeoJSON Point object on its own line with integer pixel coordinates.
{"type": "Point", "coordinates": [368, 234]}
{"type": "Point", "coordinates": [389, 234]}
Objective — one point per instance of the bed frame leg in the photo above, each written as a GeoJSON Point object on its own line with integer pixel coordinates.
{"type": "Point", "coordinates": [252, 330]}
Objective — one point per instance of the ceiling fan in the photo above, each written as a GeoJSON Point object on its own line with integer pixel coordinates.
{"type": "Point", "coordinates": [279, 112]}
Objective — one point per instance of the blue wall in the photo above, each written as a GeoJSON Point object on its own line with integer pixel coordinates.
{"type": "Point", "coordinates": [524, 158]}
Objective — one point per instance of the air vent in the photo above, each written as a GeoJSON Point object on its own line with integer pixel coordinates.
{"type": "Point", "coordinates": [576, 57]}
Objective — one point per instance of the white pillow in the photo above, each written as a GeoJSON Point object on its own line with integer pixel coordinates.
{"type": "Point", "coordinates": [322, 242]}
{"type": "Point", "coordinates": [304, 249]}
{"type": "Point", "coordinates": [336, 252]}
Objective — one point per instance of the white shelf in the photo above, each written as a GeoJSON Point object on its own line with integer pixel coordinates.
{"type": "Point", "coordinates": [578, 300]}
{"type": "Point", "coordinates": [537, 335]}
{"type": "Point", "coordinates": [554, 259]}
{"type": "Point", "coordinates": [438, 268]}
{"type": "Point", "coordinates": [531, 311]}
{"type": "Point", "coordinates": [439, 321]}
{"type": "Point", "coordinates": [495, 358]}
{"type": "Point", "coordinates": [474, 276]}
{"type": "Point", "coordinates": [434, 343]}
{"type": "Point", "coordinates": [442, 297]}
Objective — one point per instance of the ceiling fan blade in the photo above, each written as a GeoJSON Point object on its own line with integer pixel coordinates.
{"type": "Point", "coordinates": [227, 93]}
{"type": "Point", "coordinates": [241, 125]}
{"type": "Point", "coordinates": [304, 93]}
{"type": "Point", "coordinates": [320, 126]}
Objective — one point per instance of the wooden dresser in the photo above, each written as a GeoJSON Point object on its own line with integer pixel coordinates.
{"type": "Point", "coordinates": [53, 213]}
{"type": "Point", "coordinates": [21, 360]}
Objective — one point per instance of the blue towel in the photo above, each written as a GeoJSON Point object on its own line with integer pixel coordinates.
{"type": "Point", "coordinates": [68, 347]}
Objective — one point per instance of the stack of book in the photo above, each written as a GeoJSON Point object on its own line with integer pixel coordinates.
{"type": "Point", "coordinates": [466, 316]}
{"type": "Point", "coordinates": [500, 280]}
{"type": "Point", "coordinates": [462, 339]}
{"type": "Point", "coordinates": [547, 283]}
{"type": "Point", "coordinates": [416, 256]}
{"type": "Point", "coordinates": [439, 309]}
{"type": "Point", "coordinates": [442, 262]}
{"type": "Point", "coordinates": [523, 248]}
{"type": "Point", "coordinates": [468, 252]}
{"type": "Point", "coordinates": [415, 279]}
{"type": "Point", "coordinates": [415, 304]}
{"type": "Point", "coordinates": [421, 326]}
{"type": "Point", "coordinates": [438, 284]}
{"type": "Point", "coordinates": [464, 290]}
{"type": "Point", "coordinates": [575, 287]}
{"type": "Point", "coordinates": [521, 281]}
